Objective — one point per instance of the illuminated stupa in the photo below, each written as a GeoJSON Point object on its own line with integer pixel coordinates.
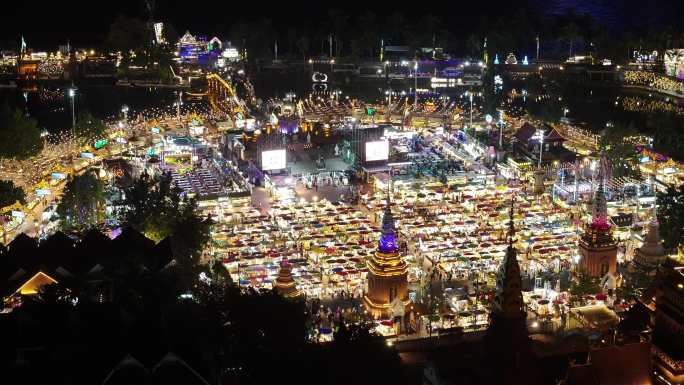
{"type": "Point", "coordinates": [285, 284]}
{"type": "Point", "coordinates": [651, 253]}
{"type": "Point", "coordinates": [387, 272]}
{"type": "Point", "coordinates": [597, 247]}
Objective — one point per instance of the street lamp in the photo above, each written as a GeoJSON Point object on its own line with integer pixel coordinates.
{"type": "Point", "coordinates": [415, 83]}
{"type": "Point", "coordinates": [178, 105]}
{"type": "Point", "coordinates": [470, 95]}
{"type": "Point", "coordinates": [72, 95]}
{"type": "Point", "coordinates": [501, 125]}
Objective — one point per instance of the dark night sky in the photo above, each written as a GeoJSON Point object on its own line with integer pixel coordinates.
{"type": "Point", "coordinates": [46, 23]}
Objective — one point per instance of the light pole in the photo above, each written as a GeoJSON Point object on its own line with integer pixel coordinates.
{"type": "Point", "coordinates": [72, 95]}
{"type": "Point", "coordinates": [415, 85]}
{"type": "Point", "coordinates": [501, 124]}
{"type": "Point", "coordinates": [471, 111]}
{"type": "Point", "coordinates": [178, 105]}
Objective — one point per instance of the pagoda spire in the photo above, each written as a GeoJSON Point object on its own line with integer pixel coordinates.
{"type": "Point", "coordinates": [388, 237]}
{"type": "Point", "coordinates": [511, 226]}
{"type": "Point", "coordinates": [599, 211]}
{"type": "Point", "coordinates": [508, 302]}
{"type": "Point", "coordinates": [507, 341]}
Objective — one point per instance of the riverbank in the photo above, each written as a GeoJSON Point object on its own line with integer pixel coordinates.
{"type": "Point", "coordinates": [651, 89]}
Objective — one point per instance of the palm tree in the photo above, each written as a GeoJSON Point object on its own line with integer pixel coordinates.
{"type": "Point", "coordinates": [303, 44]}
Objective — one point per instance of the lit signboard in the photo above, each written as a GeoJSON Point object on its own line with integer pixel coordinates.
{"type": "Point", "coordinates": [87, 155]}
{"type": "Point", "coordinates": [58, 175]}
{"type": "Point", "coordinates": [43, 191]}
{"type": "Point", "coordinates": [377, 150]}
{"type": "Point", "coordinates": [230, 53]}
{"type": "Point", "coordinates": [155, 130]}
{"type": "Point", "coordinates": [273, 160]}
{"type": "Point", "coordinates": [100, 143]}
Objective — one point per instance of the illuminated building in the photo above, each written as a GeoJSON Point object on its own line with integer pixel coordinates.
{"type": "Point", "coordinates": [285, 284]}
{"type": "Point", "coordinates": [387, 272]}
{"type": "Point", "coordinates": [597, 246]}
{"type": "Point", "coordinates": [668, 332]}
{"type": "Point", "coordinates": [159, 33]}
{"type": "Point", "coordinates": [198, 50]}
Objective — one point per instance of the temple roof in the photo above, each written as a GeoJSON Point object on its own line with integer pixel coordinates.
{"type": "Point", "coordinates": [625, 364]}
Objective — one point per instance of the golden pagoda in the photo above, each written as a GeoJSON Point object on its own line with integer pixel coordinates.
{"type": "Point", "coordinates": [285, 284]}
{"type": "Point", "coordinates": [387, 274]}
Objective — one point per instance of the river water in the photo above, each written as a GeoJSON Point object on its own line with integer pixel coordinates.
{"type": "Point", "coordinates": [592, 105]}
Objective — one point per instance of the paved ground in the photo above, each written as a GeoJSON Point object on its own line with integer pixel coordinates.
{"type": "Point", "coordinates": [309, 166]}
{"type": "Point", "coordinates": [331, 193]}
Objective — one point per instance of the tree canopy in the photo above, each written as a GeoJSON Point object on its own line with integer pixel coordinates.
{"type": "Point", "coordinates": [620, 153]}
{"type": "Point", "coordinates": [155, 207]}
{"type": "Point", "coordinates": [19, 136]}
{"type": "Point", "coordinates": [583, 285]}
{"type": "Point", "coordinates": [83, 203]}
{"type": "Point", "coordinates": [88, 128]}
{"type": "Point", "coordinates": [127, 33]}
{"type": "Point", "coordinates": [671, 216]}
{"type": "Point", "coordinates": [9, 193]}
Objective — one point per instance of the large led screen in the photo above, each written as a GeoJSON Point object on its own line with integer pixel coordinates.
{"type": "Point", "coordinates": [273, 160]}
{"type": "Point", "coordinates": [377, 150]}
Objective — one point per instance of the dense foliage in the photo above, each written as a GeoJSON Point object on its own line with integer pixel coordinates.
{"type": "Point", "coordinates": [155, 207]}
{"type": "Point", "coordinates": [621, 155]}
{"type": "Point", "coordinates": [19, 136]}
{"type": "Point", "coordinates": [89, 129]}
{"type": "Point", "coordinates": [671, 216]}
{"type": "Point", "coordinates": [9, 194]}
{"type": "Point", "coordinates": [83, 203]}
